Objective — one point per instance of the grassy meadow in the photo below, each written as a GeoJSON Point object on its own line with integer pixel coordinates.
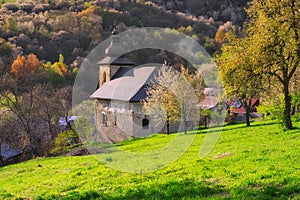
{"type": "Point", "coordinates": [257, 162]}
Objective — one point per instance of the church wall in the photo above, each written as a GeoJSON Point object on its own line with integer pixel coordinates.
{"type": "Point", "coordinates": [111, 115]}
{"type": "Point", "coordinates": [127, 117]}
{"type": "Point", "coordinates": [140, 129]}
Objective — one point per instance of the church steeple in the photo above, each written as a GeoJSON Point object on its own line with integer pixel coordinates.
{"type": "Point", "coordinates": [113, 59]}
{"type": "Point", "coordinates": [115, 49]}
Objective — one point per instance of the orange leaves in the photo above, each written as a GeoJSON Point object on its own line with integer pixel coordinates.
{"type": "Point", "coordinates": [87, 12]}
{"type": "Point", "coordinates": [220, 36]}
{"type": "Point", "coordinates": [23, 67]}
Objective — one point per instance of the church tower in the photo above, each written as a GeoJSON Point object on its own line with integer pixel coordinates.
{"type": "Point", "coordinates": [113, 60]}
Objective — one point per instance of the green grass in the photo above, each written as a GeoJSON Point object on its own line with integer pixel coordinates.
{"type": "Point", "coordinates": [260, 162]}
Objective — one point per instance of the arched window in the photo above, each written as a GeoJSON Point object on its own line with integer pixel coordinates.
{"type": "Point", "coordinates": [104, 119]}
{"type": "Point", "coordinates": [145, 123]}
{"type": "Point", "coordinates": [103, 77]}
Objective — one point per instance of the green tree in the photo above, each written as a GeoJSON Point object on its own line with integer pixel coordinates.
{"type": "Point", "coordinates": [58, 71]}
{"type": "Point", "coordinates": [10, 24]}
{"type": "Point", "coordinates": [239, 71]}
{"type": "Point", "coordinates": [274, 29]}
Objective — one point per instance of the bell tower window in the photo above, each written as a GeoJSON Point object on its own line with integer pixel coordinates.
{"type": "Point", "coordinates": [103, 77]}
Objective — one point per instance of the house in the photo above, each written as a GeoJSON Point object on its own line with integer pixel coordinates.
{"type": "Point", "coordinates": [119, 113]}
{"type": "Point", "coordinates": [66, 121]}
{"type": "Point", "coordinates": [213, 104]}
{"type": "Point", "coordinates": [210, 100]}
{"type": "Point", "coordinates": [239, 112]}
{"type": "Point", "coordinates": [8, 152]}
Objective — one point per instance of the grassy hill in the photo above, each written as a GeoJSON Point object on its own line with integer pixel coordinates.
{"type": "Point", "coordinates": [258, 162]}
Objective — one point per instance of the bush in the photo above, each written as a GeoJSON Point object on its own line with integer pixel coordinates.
{"type": "Point", "coordinates": [296, 117]}
{"type": "Point", "coordinates": [65, 141]}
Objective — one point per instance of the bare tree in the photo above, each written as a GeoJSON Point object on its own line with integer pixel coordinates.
{"type": "Point", "coordinates": [32, 109]}
{"type": "Point", "coordinates": [172, 97]}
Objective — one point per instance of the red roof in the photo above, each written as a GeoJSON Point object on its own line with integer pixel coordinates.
{"type": "Point", "coordinates": [240, 109]}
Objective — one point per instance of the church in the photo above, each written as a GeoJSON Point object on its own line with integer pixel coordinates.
{"type": "Point", "coordinates": [119, 113]}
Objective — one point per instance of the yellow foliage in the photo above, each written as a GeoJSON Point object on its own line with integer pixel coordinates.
{"type": "Point", "coordinates": [220, 36]}
{"type": "Point", "coordinates": [87, 12]}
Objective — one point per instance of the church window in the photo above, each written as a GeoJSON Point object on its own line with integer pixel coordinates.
{"type": "Point", "coordinates": [104, 119]}
{"type": "Point", "coordinates": [103, 78]}
{"type": "Point", "coordinates": [145, 123]}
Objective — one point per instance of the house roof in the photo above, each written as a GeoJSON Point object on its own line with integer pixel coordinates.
{"type": "Point", "coordinates": [120, 61]}
{"type": "Point", "coordinates": [209, 102]}
{"type": "Point", "coordinates": [238, 108]}
{"type": "Point", "coordinates": [127, 84]}
{"type": "Point", "coordinates": [8, 152]}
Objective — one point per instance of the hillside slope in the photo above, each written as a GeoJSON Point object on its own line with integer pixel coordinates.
{"type": "Point", "coordinates": [258, 162]}
{"type": "Point", "coordinates": [74, 27]}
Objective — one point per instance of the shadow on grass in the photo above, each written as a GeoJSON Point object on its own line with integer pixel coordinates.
{"type": "Point", "coordinates": [170, 190]}
{"type": "Point", "coordinates": [237, 126]}
{"type": "Point", "coordinates": [188, 190]}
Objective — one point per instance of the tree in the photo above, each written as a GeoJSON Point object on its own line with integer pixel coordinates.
{"type": "Point", "coordinates": [239, 71]}
{"type": "Point", "coordinates": [32, 106]}
{"type": "Point", "coordinates": [158, 97]}
{"type": "Point", "coordinates": [20, 109]}
{"type": "Point", "coordinates": [172, 98]}
{"type": "Point", "coordinates": [22, 67]}
{"type": "Point", "coordinates": [59, 72]}
{"type": "Point", "coordinates": [274, 29]}
{"type": "Point", "coordinates": [31, 114]}
{"type": "Point", "coordinates": [10, 24]}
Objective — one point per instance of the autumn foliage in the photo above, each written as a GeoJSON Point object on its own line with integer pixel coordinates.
{"type": "Point", "coordinates": [87, 12]}
{"type": "Point", "coordinates": [23, 67]}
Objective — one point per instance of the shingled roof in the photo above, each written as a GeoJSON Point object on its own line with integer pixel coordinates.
{"type": "Point", "coordinates": [128, 84]}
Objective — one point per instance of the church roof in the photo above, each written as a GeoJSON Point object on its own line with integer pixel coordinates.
{"type": "Point", "coordinates": [128, 84]}
{"type": "Point", "coordinates": [121, 61]}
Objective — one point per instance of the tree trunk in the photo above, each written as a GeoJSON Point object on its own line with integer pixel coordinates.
{"type": "Point", "coordinates": [248, 110]}
{"type": "Point", "coordinates": [293, 110]}
{"type": "Point", "coordinates": [248, 116]}
{"type": "Point", "coordinates": [287, 108]}
{"type": "Point", "coordinates": [1, 161]}
{"type": "Point", "coordinates": [184, 124]}
{"type": "Point", "coordinates": [247, 106]}
{"type": "Point", "coordinates": [168, 125]}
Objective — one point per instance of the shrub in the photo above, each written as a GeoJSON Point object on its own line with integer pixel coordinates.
{"type": "Point", "coordinates": [64, 141]}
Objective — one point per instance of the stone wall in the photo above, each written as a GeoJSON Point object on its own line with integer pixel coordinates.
{"type": "Point", "coordinates": [120, 120]}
